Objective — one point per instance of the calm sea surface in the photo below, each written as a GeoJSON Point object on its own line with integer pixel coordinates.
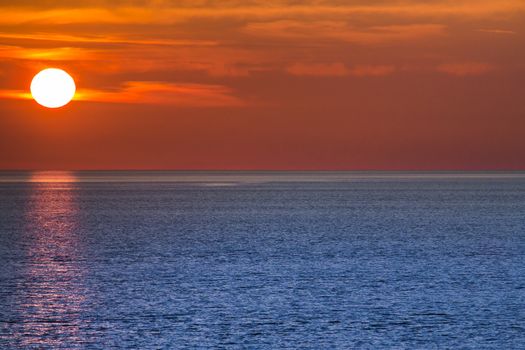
{"type": "Point", "coordinates": [162, 260]}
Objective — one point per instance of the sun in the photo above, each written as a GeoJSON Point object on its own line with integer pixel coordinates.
{"type": "Point", "coordinates": [53, 88]}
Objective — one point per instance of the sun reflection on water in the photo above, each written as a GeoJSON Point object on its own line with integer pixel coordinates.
{"type": "Point", "coordinates": [52, 292]}
{"type": "Point", "coordinates": [53, 177]}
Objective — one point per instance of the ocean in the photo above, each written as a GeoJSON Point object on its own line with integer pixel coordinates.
{"type": "Point", "coordinates": [262, 260]}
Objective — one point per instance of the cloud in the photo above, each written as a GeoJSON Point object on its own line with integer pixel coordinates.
{"type": "Point", "coordinates": [107, 43]}
{"type": "Point", "coordinates": [497, 31]}
{"type": "Point", "coordinates": [318, 69]}
{"type": "Point", "coordinates": [15, 94]}
{"type": "Point", "coordinates": [170, 12]}
{"type": "Point", "coordinates": [141, 92]}
{"type": "Point", "coordinates": [72, 40]}
{"type": "Point", "coordinates": [342, 31]}
{"type": "Point", "coordinates": [373, 70]}
{"type": "Point", "coordinates": [46, 54]}
{"type": "Point", "coordinates": [233, 38]}
{"type": "Point", "coordinates": [339, 70]}
{"type": "Point", "coordinates": [158, 93]}
{"type": "Point", "coordinates": [466, 69]}
{"type": "Point", "coordinates": [129, 53]}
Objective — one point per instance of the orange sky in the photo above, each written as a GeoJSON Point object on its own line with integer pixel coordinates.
{"type": "Point", "coordinates": [266, 84]}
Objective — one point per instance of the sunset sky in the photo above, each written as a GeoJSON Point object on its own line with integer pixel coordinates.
{"type": "Point", "coordinates": [266, 84]}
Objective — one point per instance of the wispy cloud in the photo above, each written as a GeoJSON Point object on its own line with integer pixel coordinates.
{"type": "Point", "coordinates": [194, 95]}
{"type": "Point", "coordinates": [46, 54]}
{"type": "Point", "coordinates": [466, 68]}
{"type": "Point", "coordinates": [497, 31]}
{"type": "Point", "coordinates": [339, 70]}
{"type": "Point", "coordinates": [170, 12]}
{"type": "Point", "coordinates": [15, 94]}
{"type": "Point", "coordinates": [342, 31]}
{"type": "Point", "coordinates": [215, 44]}
{"type": "Point", "coordinates": [161, 93]}
{"type": "Point", "coordinates": [373, 70]}
{"type": "Point", "coordinates": [60, 39]}
{"type": "Point", "coordinates": [318, 69]}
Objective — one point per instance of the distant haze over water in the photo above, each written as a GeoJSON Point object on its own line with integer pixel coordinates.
{"type": "Point", "coordinates": [246, 176]}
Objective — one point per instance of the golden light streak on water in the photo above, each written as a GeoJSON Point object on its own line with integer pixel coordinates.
{"type": "Point", "coordinates": [52, 291]}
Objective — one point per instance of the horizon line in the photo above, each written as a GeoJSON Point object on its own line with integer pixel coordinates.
{"type": "Point", "coordinates": [263, 170]}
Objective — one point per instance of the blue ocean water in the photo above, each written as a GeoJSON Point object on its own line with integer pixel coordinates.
{"type": "Point", "coordinates": [268, 260]}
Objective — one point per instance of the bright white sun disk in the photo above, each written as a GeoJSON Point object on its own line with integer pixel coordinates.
{"type": "Point", "coordinates": [53, 88]}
